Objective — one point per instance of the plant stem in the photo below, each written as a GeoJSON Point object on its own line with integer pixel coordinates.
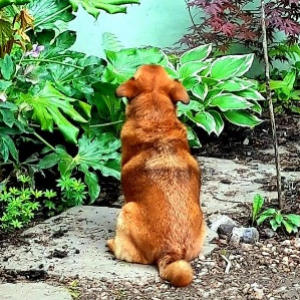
{"type": "Point", "coordinates": [44, 141]}
{"type": "Point", "coordinates": [52, 61]}
{"type": "Point", "coordinates": [269, 99]}
{"type": "Point", "coordinates": [106, 124]}
{"type": "Point", "coordinates": [190, 13]}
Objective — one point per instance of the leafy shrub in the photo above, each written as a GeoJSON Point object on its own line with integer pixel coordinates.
{"type": "Point", "coordinates": [217, 87]}
{"type": "Point", "coordinates": [291, 222]}
{"type": "Point", "coordinates": [225, 22]}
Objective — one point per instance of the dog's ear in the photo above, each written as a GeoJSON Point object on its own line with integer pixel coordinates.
{"type": "Point", "coordinates": [128, 89]}
{"type": "Point", "coordinates": [179, 93]}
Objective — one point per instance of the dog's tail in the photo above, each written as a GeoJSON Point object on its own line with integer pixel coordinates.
{"type": "Point", "coordinates": [178, 272]}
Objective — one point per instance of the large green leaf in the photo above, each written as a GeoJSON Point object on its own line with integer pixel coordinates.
{"type": "Point", "coordinates": [294, 219]}
{"type": "Point", "coordinates": [251, 94]}
{"type": "Point", "coordinates": [50, 14]}
{"type": "Point", "coordinates": [93, 7]}
{"type": "Point", "coordinates": [123, 64]}
{"type": "Point", "coordinates": [242, 118]}
{"type": "Point", "coordinates": [50, 106]}
{"type": "Point", "coordinates": [218, 120]}
{"type": "Point", "coordinates": [196, 54]}
{"type": "Point", "coordinates": [231, 66]}
{"type": "Point", "coordinates": [235, 85]}
{"type": "Point", "coordinates": [191, 68]}
{"type": "Point", "coordinates": [204, 120]}
{"type": "Point", "coordinates": [229, 101]}
{"type": "Point", "coordinates": [7, 147]}
{"type": "Point", "coordinates": [7, 67]}
{"type": "Point", "coordinates": [257, 205]}
{"type": "Point", "coordinates": [200, 91]}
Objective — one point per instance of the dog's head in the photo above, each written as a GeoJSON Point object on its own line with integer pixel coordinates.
{"type": "Point", "coordinates": [153, 78]}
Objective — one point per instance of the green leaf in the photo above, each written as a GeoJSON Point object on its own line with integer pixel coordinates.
{"type": "Point", "coordinates": [4, 85]}
{"type": "Point", "coordinates": [189, 82]}
{"type": "Point", "coordinates": [265, 215]}
{"type": "Point", "coordinates": [7, 147]}
{"type": "Point", "coordinates": [200, 91]}
{"type": "Point", "coordinates": [251, 94]}
{"type": "Point", "coordinates": [278, 218]}
{"type": "Point", "coordinates": [4, 3]}
{"type": "Point", "coordinates": [191, 68]}
{"type": "Point", "coordinates": [50, 15]}
{"type": "Point", "coordinates": [229, 101]}
{"type": "Point", "coordinates": [235, 85]}
{"type": "Point", "coordinates": [231, 66]}
{"type": "Point", "coordinates": [6, 31]}
{"type": "Point", "coordinates": [242, 118]}
{"type": "Point", "coordinates": [184, 109]}
{"type": "Point", "coordinates": [288, 225]}
{"type": "Point", "coordinates": [218, 120]}
{"type": "Point", "coordinates": [91, 180]}
{"type": "Point", "coordinates": [49, 107]}
{"type": "Point", "coordinates": [93, 7]}
{"type": "Point", "coordinates": [274, 224]}
{"type": "Point", "coordinates": [49, 161]}
{"type": "Point", "coordinates": [204, 120]}
{"type": "Point", "coordinates": [294, 219]}
{"type": "Point", "coordinates": [192, 138]}
{"type": "Point", "coordinates": [256, 107]}
{"type": "Point", "coordinates": [123, 64]}
{"type": "Point", "coordinates": [196, 54]}
{"type": "Point", "coordinates": [7, 68]}
{"type": "Point", "coordinates": [258, 202]}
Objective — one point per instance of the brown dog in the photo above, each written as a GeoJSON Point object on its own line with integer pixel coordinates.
{"type": "Point", "coordinates": [161, 221]}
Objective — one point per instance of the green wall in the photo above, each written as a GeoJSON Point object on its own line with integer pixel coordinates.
{"type": "Point", "coordinates": [152, 23]}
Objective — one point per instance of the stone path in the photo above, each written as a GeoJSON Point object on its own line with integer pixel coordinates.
{"type": "Point", "coordinates": [73, 243]}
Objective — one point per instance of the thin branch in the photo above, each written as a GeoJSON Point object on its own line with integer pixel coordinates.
{"type": "Point", "coordinates": [190, 13]}
{"type": "Point", "coordinates": [106, 124]}
{"type": "Point", "coordinates": [228, 263]}
{"type": "Point", "coordinates": [269, 99]}
{"type": "Point", "coordinates": [44, 141]}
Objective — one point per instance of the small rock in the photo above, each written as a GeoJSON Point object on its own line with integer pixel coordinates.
{"type": "Point", "coordinates": [286, 243]}
{"type": "Point", "coordinates": [269, 232]}
{"type": "Point", "coordinates": [246, 142]}
{"type": "Point", "coordinates": [258, 293]}
{"type": "Point", "coordinates": [247, 235]}
{"type": "Point", "coordinates": [246, 247]}
{"type": "Point", "coordinates": [226, 229]}
{"type": "Point", "coordinates": [297, 242]}
{"type": "Point", "coordinates": [217, 220]}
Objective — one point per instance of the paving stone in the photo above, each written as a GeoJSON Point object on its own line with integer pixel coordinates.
{"type": "Point", "coordinates": [33, 291]}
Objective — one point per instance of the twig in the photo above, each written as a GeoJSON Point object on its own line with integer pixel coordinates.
{"type": "Point", "coordinates": [269, 99]}
{"type": "Point", "coordinates": [44, 141]}
{"type": "Point", "coordinates": [106, 124]}
{"type": "Point", "coordinates": [228, 263]}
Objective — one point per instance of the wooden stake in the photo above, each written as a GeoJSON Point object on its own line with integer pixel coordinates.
{"type": "Point", "coordinates": [269, 99]}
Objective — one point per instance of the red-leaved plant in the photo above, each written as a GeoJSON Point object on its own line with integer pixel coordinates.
{"type": "Point", "coordinates": [224, 22]}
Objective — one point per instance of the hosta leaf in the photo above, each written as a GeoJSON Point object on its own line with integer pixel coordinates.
{"type": "Point", "coordinates": [251, 94]}
{"type": "Point", "coordinates": [50, 106]}
{"type": "Point", "coordinates": [242, 118]}
{"type": "Point", "coordinates": [256, 107]}
{"type": "Point", "coordinates": [229, 101]}
{"type": "Point", "coordinates": [218, 120]}
{"type": "Point", "coordinates": [294, 219]}
{"type": "Point", "coordinates": [231, 66]}
{"type": "Point", "coordinates": [190, 68]}
{"type": "Point", "coordinates": [235, 85]}
{"type": "Point", "coordinates": [7, 67]}
{"type": "Point", "coordinates": [189, 82]}
{"type": "Point", "coordinates": [200, 91]}
{"type": "Point", "coordinates": [123, 64]}
{"type": "Point", "coordinates": [193, 105]}
{"type": "Point", "coordinates": [198, 53]}
{"type": "Point", "coordinates": [93, 7]}
{"type": "Point", "coordinates": [204, 120]}
{"type": "Point", "coordinates": [50, 14]}
{"type": "Point", "coordinates": [192, 137]}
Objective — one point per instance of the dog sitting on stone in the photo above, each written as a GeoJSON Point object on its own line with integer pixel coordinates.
{"type": "Point", "coordinates": [161, 221]}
